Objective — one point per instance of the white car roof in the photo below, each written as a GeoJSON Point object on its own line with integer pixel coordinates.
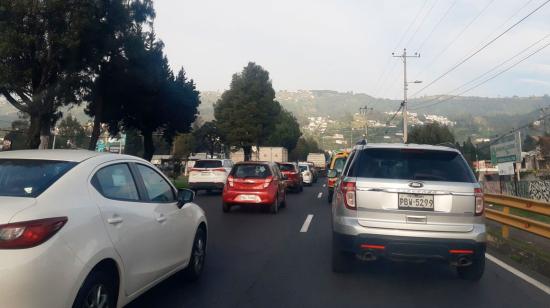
{"type": "Point", "coordinates": [64, 155]}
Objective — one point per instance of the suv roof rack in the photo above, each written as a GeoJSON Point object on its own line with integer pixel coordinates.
{"type": "Point", "coordinates": [362, 142]}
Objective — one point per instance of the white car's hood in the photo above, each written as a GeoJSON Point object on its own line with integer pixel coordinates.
{"type": "Point", "coordinates": [9, 206]}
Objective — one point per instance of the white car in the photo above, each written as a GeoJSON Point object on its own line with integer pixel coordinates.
{"type": "Point", "coordinates": [209, 174]}
{"type": "Point", "coordinates": [86, 229]}
{"type": "Point", "coordinates": [307, 173]}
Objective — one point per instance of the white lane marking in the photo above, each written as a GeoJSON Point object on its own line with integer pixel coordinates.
{"type": "Point", "coordinates": [305, 226]}
{"type": "Point", "coordinates": [324, 185]}
{"type": "Point", "coordinates": [319, 195]}
{"type": "Point", "coordinates": [521, 275]}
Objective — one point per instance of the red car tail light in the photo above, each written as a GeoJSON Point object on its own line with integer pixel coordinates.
{"type": "Point", "coordinates": [268, 181]}
{"type": "Point", "coordinates": [348, 190]}
{"type": "Point", "coordinates": [331, 182]}
{"type": "Point", "coordinates": [479, 203]}
{"type": "Point", "coordinates": [230, 181]}
{"type": "Point", "coordinates": [29, 234]}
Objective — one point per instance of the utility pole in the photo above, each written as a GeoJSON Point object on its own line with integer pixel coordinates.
{"type": "Point", "coordinates": [404, 57]}
{"type": "Point", "coordinates": [364, 110]}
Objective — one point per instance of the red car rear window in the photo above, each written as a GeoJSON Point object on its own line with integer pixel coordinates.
{"type": "Point", "coordinates": [254, 171]}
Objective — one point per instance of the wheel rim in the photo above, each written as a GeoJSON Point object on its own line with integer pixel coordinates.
{"type": "Point", "coordinates": [198, 255]}
{"type": "Point", "coordinates": [98, 297]}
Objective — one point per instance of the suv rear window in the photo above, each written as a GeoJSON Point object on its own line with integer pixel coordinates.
{"type": "Point", "coordinates": [405, 164]}
{"type": "Point", "coordinates": [208, 164]}
{"type": "Point", "coordinates": [252, 171]}
{"type": "Point", "coordinates": [287, 167]}
{"type": "Point", "coordinates": [303, 168]}
{"type": "Point", "coordinates": [30, 177]}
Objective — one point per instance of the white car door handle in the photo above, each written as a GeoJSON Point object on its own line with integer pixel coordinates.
{"type": "Point", "coordinates": [161, 218]}
{"type": "Point", "coordinates": [114, 220]}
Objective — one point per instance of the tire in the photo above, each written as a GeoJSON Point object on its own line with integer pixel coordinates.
{"type": "Point", "coordinates": [472, 272]}
{"type": "Point", "coordinates": [97, 282]}
{"type": "Point", "coordinates": [194, 270]}
{"type": "Point", "coordinates": [329, 196]}
{"type": "Point", "coordinates": [342, 262]}
{"type": "Point", "coordinates": [226, 207]}
{"type": "Point", "coordinates": [274, 208]}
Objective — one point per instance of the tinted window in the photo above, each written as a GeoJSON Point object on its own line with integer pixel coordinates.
{"type": "Point", "coordinates": [29, 178]}
{"type": "Point", "coordinates": [208, 164]}
{"type": "Point", "coordinates": [405, 164]}
{"type": "Point", "coordinates": [157, 188]}
{"type": "Point", "coordinates": [256, 171]}
{"type": "Point", "coordinates": [287, 167]}
{"type": "Point", "coordinates": [116, 182]}
{"type": "Point", "coordinates": [303, 168]}
{"type": "Point", "coordinates": [339, 164]}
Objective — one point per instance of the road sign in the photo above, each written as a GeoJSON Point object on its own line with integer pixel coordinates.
{"type": "Point", "coordinates": [508, 149]}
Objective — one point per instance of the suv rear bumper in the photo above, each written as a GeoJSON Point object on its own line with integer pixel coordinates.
{"type": "Point", "coordinates": [403, 248]}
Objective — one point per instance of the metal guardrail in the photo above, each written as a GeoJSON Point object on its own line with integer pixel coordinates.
{"type": "Point", "coordinates": [510, 220]}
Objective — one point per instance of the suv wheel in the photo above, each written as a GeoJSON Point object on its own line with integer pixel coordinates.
{"type": "Point", "coordinates": [342, 262]}
{"type": "Point", "coordinates": [473, 272]}
{"type": "Point", "coordinates": [97, 291]}
{"type": "Point", "coordinates": [198, 255]}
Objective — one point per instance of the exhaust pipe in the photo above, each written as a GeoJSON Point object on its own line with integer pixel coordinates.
{"type": "Point", "coordinates": [367, 256]}
{"type": "Point", "coordinates": [464, 261]}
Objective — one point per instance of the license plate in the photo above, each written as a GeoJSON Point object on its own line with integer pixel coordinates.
{"type": "Point", "coordinates": [248, 198]}
{"type": "Point", "coordinates": [415, 202]}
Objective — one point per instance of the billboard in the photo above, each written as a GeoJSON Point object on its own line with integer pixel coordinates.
{"type": "Point", "coordinates": [508, 149]}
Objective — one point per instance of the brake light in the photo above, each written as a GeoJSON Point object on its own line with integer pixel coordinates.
{"type": "Point", "coordinates": [331, 182]}
{"type": "Point", "coordinates": [29, 234]}
{"type": "Point", "coordinates": [230, 181]}
{"type": "Point", "coordinates": [479, 204]}
{"type": "Point", "coordinates": [348, 190]}
{"type": "Point", "coordinates": [219, 170]}
{"type": "Point", "coordinates": [268, 181]}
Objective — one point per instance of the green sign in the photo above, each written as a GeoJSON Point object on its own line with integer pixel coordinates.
{"type": "Point", "coordinates": [508, 149]}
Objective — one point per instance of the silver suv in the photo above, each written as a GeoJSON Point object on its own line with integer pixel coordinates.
{"type": "Point", "coordinates": [406, 201]}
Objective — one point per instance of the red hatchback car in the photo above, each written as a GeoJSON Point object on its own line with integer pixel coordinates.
{"type": "Point", "coordinates": [255, 183]}
{"type": "Point", "coordinates": [294, 176]}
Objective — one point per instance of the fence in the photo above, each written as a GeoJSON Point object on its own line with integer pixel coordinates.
{"type": "Point", "coordinates": [522, 208]}
{"type": "Point", "coordinates": [530, 189]}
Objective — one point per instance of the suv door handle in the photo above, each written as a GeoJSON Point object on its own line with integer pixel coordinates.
{"type": "Point", "coordinates": [161, 218]}
{"type": "Point", "coordinates": [115, 220]}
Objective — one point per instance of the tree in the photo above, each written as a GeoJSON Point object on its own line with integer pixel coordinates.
{"type": "Point", "coordinates": [49, 54]}
{"type": "Point", "coordinates": [304, 146]}
{"type": "Point", "coordinates": [431, 133]}
{"type": "Point", "coordinates": [17, 134]}
{"type": "Point", "coordinates": [286, 132]}
{"type": "Point", "coordinates": [247, 113]}
{"type": "Point", "coordinates": [71, 134]}
{"type": "Point", "coordinates": [134, 143]}
{"type": "Point", "coordinates": [208, 138]}
{"type": "Point", "coordinates": [184, 145]}
{"type": "Point", "coordinates": [469, 150]}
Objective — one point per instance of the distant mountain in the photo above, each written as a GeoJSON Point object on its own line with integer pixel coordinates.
{"type": "Point", "coordinates": [338, 104]}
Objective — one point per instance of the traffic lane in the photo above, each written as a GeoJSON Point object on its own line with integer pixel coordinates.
{"type": "Point", "coordinates": [240, 247]}
{"type": "Point", "coordinates": [251, 265]}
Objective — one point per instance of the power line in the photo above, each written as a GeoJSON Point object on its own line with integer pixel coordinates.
{"type": "Point", "coordinates": [436, 26]}
{"type": "Point", "coordinates": [460, 34]}
{"type": "Point", "coordinates": [486, 73]}
{"type": "Point", "coordinates": [488, 79]}
{"type": "Point", "coordinates": [498, 137]}
{"type": "Point", "coordinates": [421, 22]}
{"type": "Point", "coordinates": [480, 49]}
{"type": "Point", "coordinates": [383, 76]}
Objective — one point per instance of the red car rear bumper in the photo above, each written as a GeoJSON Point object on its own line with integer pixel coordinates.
{"type": "Point", "coordinates": [241, 197]}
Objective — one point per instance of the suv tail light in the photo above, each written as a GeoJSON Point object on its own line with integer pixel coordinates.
{"type": "Point", "coordinates": [230, 181]}
{"type": "Point", "coordinates": [479, 204]}
{"type": "Point", "coordinates": [348, 191]}
{"type": "Point", "coordinates": [29, 234]}
{"type": "Point", "coordinates": [268, 181]}
{"type": "Point", "coordinates": [219, 170]}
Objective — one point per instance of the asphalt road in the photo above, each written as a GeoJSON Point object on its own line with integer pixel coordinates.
{"type": "Point", "coordinates": [257, 259]}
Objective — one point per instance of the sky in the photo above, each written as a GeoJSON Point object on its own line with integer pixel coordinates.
{"type": "Point", "coordinates": [347, 45]}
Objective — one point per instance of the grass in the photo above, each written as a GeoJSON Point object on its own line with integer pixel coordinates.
{"type": "Point", "coordinates": [181, 182]}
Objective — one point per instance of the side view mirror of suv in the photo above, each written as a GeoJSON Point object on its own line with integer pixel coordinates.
{"type": "Point", "coordinates": [185, 196]}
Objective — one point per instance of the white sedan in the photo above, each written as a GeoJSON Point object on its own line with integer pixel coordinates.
{"type": "Point", "coordinates": [85, 229]}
